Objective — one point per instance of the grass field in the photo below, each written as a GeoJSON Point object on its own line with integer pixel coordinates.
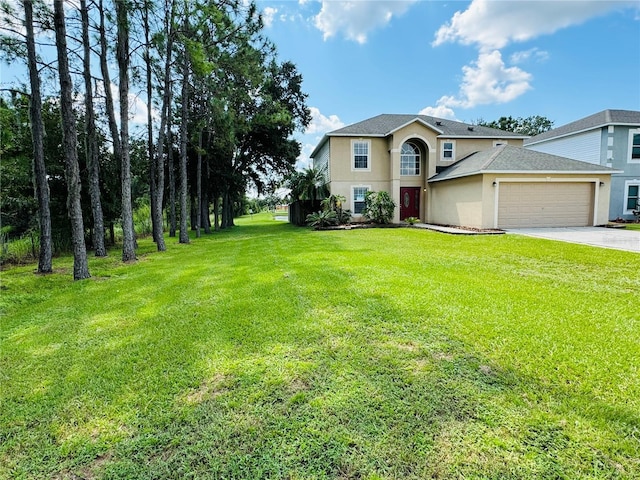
{"type": "Point", "coordinates": [270, 351]}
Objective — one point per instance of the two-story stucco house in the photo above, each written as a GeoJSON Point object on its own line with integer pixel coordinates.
{"type": "Point", "coordinates": [610, 138]}
{"type": "Point", "coordinates": [398, 154]}
{"type": "Point", "coordinates": [448, 172]}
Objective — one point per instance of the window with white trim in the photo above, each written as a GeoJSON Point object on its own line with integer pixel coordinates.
{"type": "Point", "coordinates": [409, 159]}
{"type": "Point", "coordinates": [448, 150]}
{"type": "Point", "coordinates": [631, 196]}
{"type": "Point", "coordinates": [358, 194]}
{"type": "Point", "coordinates": [360, 150]}
{"type": "Point", "coordinates": [634, 146]}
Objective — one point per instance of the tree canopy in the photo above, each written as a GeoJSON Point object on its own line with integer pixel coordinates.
{"type": "Point", "coordinates": [531, 126]}
{"type": "Point", "coordinates": [228, 109]}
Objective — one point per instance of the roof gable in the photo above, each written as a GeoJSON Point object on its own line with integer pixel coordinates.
{"type": "Point", "coordinates": [597, 120]}
{"type": "Point", "coordinates": [507, 158]}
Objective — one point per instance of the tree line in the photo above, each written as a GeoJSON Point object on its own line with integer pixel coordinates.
{"type": "Point", "coordinates": [221, 112]}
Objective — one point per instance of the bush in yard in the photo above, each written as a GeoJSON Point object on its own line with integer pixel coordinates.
{"type": "Point", "coordinates": [324, 218]}
{"type": "Point", "coordinates": [142, 217]}
{"type": "Point", "coordinates": [378, 207]}
{"type": "Point", "coordinates": [334, 203]}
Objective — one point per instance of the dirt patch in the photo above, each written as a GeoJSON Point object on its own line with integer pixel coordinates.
{"type": "Point", "coordinates": [88, 472]}
{"type": "Point", "coordinates": [211, 388]}
{"type": "Point", "coordinates": [443, 356]}
{"type": "Point", "coordinates": [408, 347]}
{"type": "Point", "coordinates": [298, 385]}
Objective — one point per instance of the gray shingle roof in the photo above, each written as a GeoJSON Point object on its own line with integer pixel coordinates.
{"type": "Point", "coordinates": [507, 158]}
{"type": "Point", "coordinates": [597, 120]}
{"type": "Point", "coordinates": [385, 124]}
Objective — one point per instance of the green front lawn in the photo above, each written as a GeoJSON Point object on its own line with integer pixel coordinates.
{"type": "Point", "coordinates": [270, 351]}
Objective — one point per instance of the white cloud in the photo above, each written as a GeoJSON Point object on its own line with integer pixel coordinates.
{"type": "Point", "coordinates": [439, 111]}
{"type": "Point", "coordinates": [268, 14]}
{"type": "Point", "coordinates": [137, 106]}
{"type": "Point", "coordinates": [321, 124]}
{"type": "Point", "coordinates": [492, 24]}
{"type": "Point", "coordinates": [355, 19]}
{"type": "Point", "coordinates": [532, 53]}
{"type": "Point", "coordinates": [304, 160]}
{"type": "Point", "coordinates": [488, 80]}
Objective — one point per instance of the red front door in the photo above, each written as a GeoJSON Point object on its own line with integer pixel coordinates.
{"type": "Point", "coordinates": [409, 202]}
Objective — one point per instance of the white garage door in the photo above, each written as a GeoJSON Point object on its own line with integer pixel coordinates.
{"type": "Point", "coordinates": [545, 204]}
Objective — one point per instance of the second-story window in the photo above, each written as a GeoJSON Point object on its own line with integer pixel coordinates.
{"type": "Point", "coordinates": [409, 159]}
{"type": "Point", "coordinates": [448, 150]}
{"type": "Point", "coordinates": [634, 145]}
{"type": "Point", "coordinates": [361, 152]}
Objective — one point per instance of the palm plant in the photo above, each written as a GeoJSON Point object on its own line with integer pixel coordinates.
{"type": "Point", "coordinates": [324, 218]}
{"type": "Point", "coordinates": [334, 203]}
{"type": "Point", "coordinates": [310, 184]}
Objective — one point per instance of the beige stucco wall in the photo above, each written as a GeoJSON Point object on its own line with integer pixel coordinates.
{"type": "Point", "coordinates": [471, 201]}
{"type": "Point", "coordinates": [457, 202]}
{"type": "Point", "coordinates": [341, 160]}
{"type": "Point", "coordinates": [345, 189]}
{"type": "Point", "coordinates": [423, 135]}
{"type": "Point", "coordinates": [384, 173]}
{"type": "Point", "coordinates": [343, 178]}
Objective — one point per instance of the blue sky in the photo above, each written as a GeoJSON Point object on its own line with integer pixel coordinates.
{"type": "Point", "coordinates": [465, 60]}
{"type": "Point", "coordinates": [457, 59]}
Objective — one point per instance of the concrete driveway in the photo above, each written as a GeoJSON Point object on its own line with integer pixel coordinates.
{"type": "Point", "coordinates": [619, 239]}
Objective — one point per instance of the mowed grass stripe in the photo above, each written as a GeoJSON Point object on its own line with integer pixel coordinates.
{"type": "Point", "coordinates": [269, 351]}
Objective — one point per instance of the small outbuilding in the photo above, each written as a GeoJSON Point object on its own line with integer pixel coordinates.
{"type": "Point", "coordinates": [512, 187]}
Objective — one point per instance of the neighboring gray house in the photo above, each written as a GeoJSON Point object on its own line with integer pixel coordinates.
{"type": "Point", "coordinates": [609, 138]}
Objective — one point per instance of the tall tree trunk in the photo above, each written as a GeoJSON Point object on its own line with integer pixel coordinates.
{"type": "Point", "coordinates": [153, 166]}
{"type": "Point", "coordinates": [157, 198]}
{"type": "Point", "coordinates": [184, 234]}
{"type": "Point", "coordinates": [193, 215]}
{"type": "Point", "coordinates": [172, 184]}
{"type": "Point", "coordinates": [206, 221]}
{"type": "Point", "coordinates": [91, 140]}
{"type": "Point", "coordinates": [70, 142]}
{"type": "Point", "coordinates": [206, 199]}
{"type": "Point", "coordinates": [37, 135]}
{"type": "Point", "coordinates": [122, 54]}
{"type": "Point", "coordinates": [199, 185]}
{"type": "Point", "coordinates": [227, 209]}
{"type": "Point", "coordinates": [216, 212]}
{"type": "Point", "coordinates": [106, 76]}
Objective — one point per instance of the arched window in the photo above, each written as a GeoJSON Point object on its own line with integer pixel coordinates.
{"type": "Point", "coordinates": [409, 159]}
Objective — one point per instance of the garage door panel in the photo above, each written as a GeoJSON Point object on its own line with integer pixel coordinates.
{"type": "Point", "coordinates": [553, 204]}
